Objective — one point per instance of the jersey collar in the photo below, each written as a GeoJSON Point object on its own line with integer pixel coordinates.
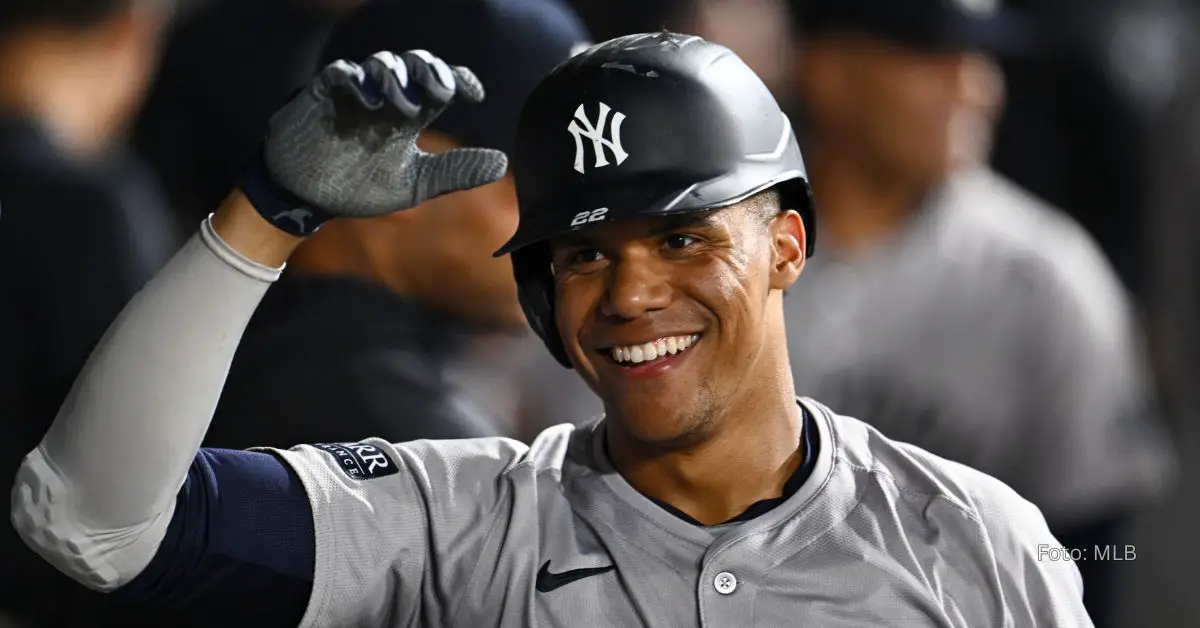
{"type": "Point", "coordinates": [805, 485]}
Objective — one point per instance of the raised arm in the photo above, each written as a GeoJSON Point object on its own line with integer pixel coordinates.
{"type": "Point", "coordinates": [97, 496]}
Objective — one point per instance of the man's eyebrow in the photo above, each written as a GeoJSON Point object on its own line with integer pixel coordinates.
{"type": "Point", "coordinates": [705, 220]}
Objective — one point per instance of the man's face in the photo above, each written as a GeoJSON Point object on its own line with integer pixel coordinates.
{"type": "Point", "coordinates": [908, 113]}
{"type": "Point", "coordinates": [666, 319]}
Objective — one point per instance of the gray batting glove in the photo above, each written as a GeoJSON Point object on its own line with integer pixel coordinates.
{"type": "Point", "coordinates": [346, 144]}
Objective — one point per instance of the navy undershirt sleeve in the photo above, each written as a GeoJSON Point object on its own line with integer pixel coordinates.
{"type": "Point", "coordinates": [240, 548]}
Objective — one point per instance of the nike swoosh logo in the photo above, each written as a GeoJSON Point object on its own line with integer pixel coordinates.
{"type": "Point", "coordinates": [548, 581]}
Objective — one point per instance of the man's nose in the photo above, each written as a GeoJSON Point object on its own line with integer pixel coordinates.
{"type": "Point", "coordinates": [635, 287]}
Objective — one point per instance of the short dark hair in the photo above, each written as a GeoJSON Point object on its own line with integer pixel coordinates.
{"type": "Point", "coordinates": [765, 205]}
{"type": "Point", "coordinates": [19, 14]}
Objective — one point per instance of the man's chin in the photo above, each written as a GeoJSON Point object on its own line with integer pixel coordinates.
{"type": "Point", "coordinates": [657, 425]}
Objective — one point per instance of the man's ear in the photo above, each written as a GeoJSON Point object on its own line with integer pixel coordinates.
{"type": "Point", "coordinates": [787, 249]}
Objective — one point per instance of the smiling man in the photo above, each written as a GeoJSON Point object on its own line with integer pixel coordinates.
{"type": "Point", "coordinates": [664, 212]}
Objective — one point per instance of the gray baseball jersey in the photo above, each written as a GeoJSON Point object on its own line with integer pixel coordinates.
{"type": "Point", "coordinates": [991, 331]}
{"type": "Point", "coordinates": [490, 532]}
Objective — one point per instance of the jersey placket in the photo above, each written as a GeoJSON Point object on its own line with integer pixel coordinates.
{"type": "Point", "coordinates": [727, 587]}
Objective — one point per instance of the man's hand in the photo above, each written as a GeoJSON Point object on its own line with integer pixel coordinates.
{"type": "Point", "coordinates": [345, 146]}
{"type": "Point", "coordinates": [347, 143]}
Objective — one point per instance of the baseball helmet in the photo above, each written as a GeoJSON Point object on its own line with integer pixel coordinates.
{"type": "Point", "coordinates": [641, 126]}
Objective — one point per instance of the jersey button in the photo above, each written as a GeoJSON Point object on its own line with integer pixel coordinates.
{"type": "Point", "coordinates": [725, 583]}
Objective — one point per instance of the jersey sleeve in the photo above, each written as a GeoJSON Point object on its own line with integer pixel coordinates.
{"type": "Point", "coordinates": [1039, 587]}
{"type": "Point", "coordinates": [401, 528]}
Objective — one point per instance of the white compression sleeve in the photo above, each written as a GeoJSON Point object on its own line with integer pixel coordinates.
{"type": "Point", "coordinates": [95, 497]}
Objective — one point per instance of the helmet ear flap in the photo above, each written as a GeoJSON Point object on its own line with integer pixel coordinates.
{"type": "Point", "coordinates": [535, 290]}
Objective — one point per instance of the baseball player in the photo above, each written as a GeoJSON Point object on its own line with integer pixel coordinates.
{"type": "Point", "coordinates": [664, 211]}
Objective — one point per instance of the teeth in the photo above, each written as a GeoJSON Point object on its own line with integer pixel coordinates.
{"type": "Point", "coordinates": [653, 349]}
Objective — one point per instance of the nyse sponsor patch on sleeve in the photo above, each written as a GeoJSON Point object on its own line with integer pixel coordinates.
{"type": "Point", "coordinates": [360, 461]}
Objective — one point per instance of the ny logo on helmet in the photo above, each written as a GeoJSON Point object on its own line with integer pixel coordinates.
{"type": "Point", "coordinates": [580, 127]}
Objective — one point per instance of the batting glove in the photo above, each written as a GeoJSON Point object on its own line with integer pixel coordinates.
{"type": "Point", "coordinates": [345, 146]}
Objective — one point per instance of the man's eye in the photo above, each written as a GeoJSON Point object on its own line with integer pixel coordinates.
{"type": "Point", "coordinates": [679, 241]}
{"type": "Point", "coordinates": [587, 256]}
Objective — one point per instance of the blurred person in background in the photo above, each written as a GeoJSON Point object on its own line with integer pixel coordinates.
{"type": "Point", "coordinates": [951, 308]}
{"type": "Point", "coordinates": [759, 31]}
{"type": "Point", "coordinates": [1109, 74]}
{"type": "Point", "coordinates": [227, 66]}
{"type": "Point", "coordinates": [414, 288]}
{"type": "Point", "coordinates": [83, 228]}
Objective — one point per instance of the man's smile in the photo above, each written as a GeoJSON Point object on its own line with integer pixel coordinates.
{"type": "Point", "coordinates": [650, 358]}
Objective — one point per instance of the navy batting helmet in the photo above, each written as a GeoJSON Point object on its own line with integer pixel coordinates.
{"type": "Point", "coordinates": [641, 126]}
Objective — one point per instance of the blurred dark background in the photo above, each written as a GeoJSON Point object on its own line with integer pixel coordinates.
{"type": "Point", "coordinates": [124, 122]}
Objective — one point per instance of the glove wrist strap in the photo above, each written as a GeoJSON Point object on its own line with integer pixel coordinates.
{"type": "Point", "coordinates": [278, 206]}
